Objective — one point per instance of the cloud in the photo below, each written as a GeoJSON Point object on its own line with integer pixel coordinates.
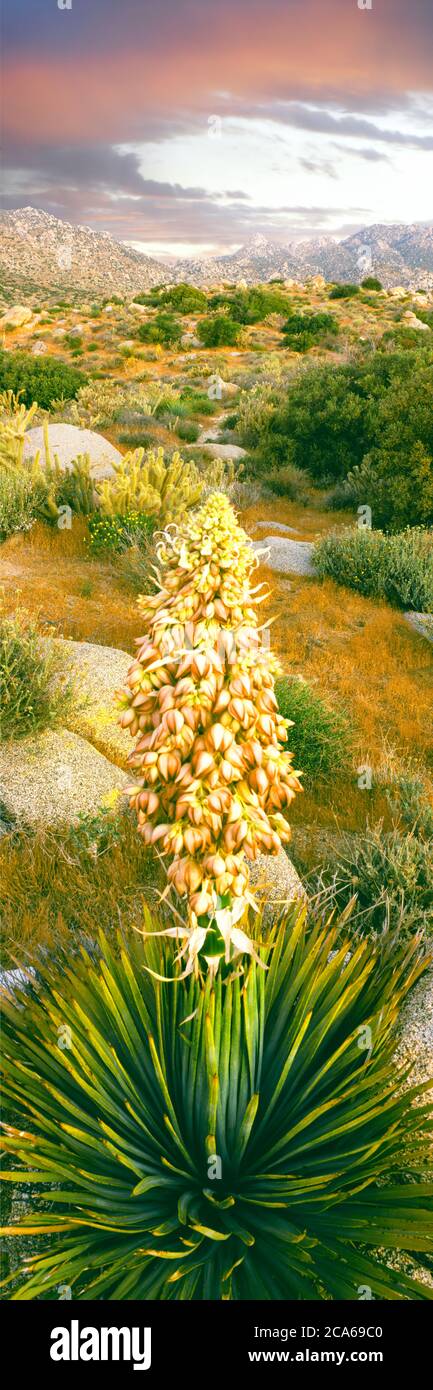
{"type": "Point", "coordinates": [81, 84]}
{"type": "Point", "coordinates": [368, 153]}
{"type": "Point", "coordinates": [121, 72]}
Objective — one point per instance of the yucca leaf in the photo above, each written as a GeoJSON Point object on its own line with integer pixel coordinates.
{"type": "Point", "coordinates": [221, 1140]}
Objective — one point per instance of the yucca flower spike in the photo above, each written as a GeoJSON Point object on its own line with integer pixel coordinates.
{"type": "Point", "coordinates": [213, 782]}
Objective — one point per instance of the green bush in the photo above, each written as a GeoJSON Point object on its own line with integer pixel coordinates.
{"type": "Point", "coordinates": [398, 486]}
{"type": "Point", "coordinates": [343, 291]}
{"type": "Point", "coordinates": [117, 532]}
{"type": "Point", "coordinates": [31, 698]}
{"type": "Point", "coordinates": [371, 283]}
{"type": "Point", "coordinates": [43, 382]}
{"type": "Point", "coordinates": [398, 568]}
{"type": "Point", "coordinates": [302, 331]}
{"type": "Point", "coordinates": [288, 481]}
{"type": "Point", "coordinates": [232, 1139]}
{"type": "Point", "coordinates": [197, 402]}
{"type": "Point", "coordinates": [253, 305]}
{"type": "Point", "coordinates": [17, 502]}
{"type": "Point", "coordinates": [185, 299]}
{"type": "Point", "coordinates": [322, 735]}
{"type": "Point", "coordinates": [219, 331]}
{"type": "Point", "coordinates": [162, 329]}
{"type": "Point", "coordinates": [188, 430]}
{"type": "Point", "coordinates": [330, 419]}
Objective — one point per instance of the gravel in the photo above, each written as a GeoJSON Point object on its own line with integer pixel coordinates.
{"type": "Point", "coordinates": [275, 882]}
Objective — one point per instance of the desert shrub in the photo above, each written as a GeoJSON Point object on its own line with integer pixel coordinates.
{"type": "Point", "coordinates": [134, 564]}
{"type": "Point", "coordinates": [163, 488]}
{"type": "Point", "coordinates": [371, 283]}
{"type": "Point", "coordinates": [39, 381]}
{"type": "Point", "coordinates": [302, 331]}
{"type": "Point", "coordinates": [343, 291]}
{"type": "Point", "coordinates": [31, 699]}
{"type": "Point", "coordinates": [184, 298]}
{"type": "Point", "coordinates": [330, 418]}
{"type": "Point", "coordinates": [310, 1114]}
{"type": "Point", "coordinates": [17, 503]}
{"type": "Point", "coordinates": [136, 439]}
{"type": "Point", "coordinates": [218, 330]}
{"type": "Point", "coordinates": [398, 568]}
{"type": "Point", "coordinates": [197, 402]}
{"type": "Point", "coordinates": [340, 497]}
{"type": "Point", "coordinates": [256, 408]}
{"type": "Point", "coordinates": [322, 735]}
{"type": "Point", "coordinates": [398, 486]}
{"type": "Point", "coordinates": [395, 475]}
{"type": "Point", "coordinates": [252, 305]}
{"type": "Point", "coordinates": [392, 877]}
{"type": "Point", "coordinates": [115, 533]}
{"type": "Point", "coordinates": [411, 806]}
{"type": "Point", "coordinates": [288, 481]}
{"type": "Point", "coordinates": [187, 430]}
{"type": "Point", "coordinates": [163, 328]}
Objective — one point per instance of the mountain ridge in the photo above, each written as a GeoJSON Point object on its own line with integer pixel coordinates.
{"type": "Point", "coordinates": [37, 247]}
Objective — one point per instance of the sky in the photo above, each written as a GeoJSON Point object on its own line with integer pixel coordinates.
{"type": "Point", "coordinates": [185, 127]}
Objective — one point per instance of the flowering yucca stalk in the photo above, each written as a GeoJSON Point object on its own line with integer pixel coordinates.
{"type": "Point", "coordinates": [213, 779]}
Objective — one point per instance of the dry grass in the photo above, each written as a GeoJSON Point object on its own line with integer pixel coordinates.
{"type": "Point", "coordinates": [57, 885]}
{"type": "Point", "coordinates": [363, 655]}
{"type": "Point", "coordinates": [310, 521]}
{"type": "Point", "coordinates": [61, 584]}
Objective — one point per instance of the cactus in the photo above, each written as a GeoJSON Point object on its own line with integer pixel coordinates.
{"type": "Point", "coordinates": [165, 489]}
{"type": "Point", "coordinates": [213, 781]}
{"type": "Point", "coordinates": [15, 419]}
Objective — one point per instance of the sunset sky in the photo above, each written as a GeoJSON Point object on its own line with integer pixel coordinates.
{"type": "Point", "coordinates": [186, 126]}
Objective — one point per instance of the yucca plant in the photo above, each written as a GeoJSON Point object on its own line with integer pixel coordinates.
{"type": "Point", "coordinates": [212, 778]}
{"type": "Point", "coordinates": [237, 1139]}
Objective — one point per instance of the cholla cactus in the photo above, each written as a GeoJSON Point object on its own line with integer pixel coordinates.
{"type": "Point", "coordinates": [213, 779]}
{"type": "Point", "coordinates": [15, 419]}
{"type": "Point", "coordinates": [165, 489]}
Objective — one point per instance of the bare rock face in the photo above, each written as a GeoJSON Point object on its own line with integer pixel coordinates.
{"type": "Point", "coordinates": [287, 556]}
{"type": "Point", "coordinates": [224, 451]}
{"type": "Point", "coordinates": [54, 777]}
{"type": "Point", "coordinates": [275, 883]}
{"type": "Point", "coordinates": [17, 317]}
{"type": "Point", "coordinates": [412, 321]}
{"type": "Point", "coordinates": [97, 672]}
{"type": "Point", "coordinates": [68, 441]}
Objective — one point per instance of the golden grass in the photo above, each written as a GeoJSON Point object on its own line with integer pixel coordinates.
{"type": "Point", "coordinates": [363, 655]}
{"type": "Point", "coordinates": [310, 521]}
{"type": "Point", "coordinates": [57, 884]}
{"type": "Point", "coordinates": [66, 589]}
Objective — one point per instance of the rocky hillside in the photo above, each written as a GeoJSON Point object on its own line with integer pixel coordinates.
{"type": "Point", "coordinates": [398, 255]}
{"type": "Point", "coordinates": [38, 249]}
